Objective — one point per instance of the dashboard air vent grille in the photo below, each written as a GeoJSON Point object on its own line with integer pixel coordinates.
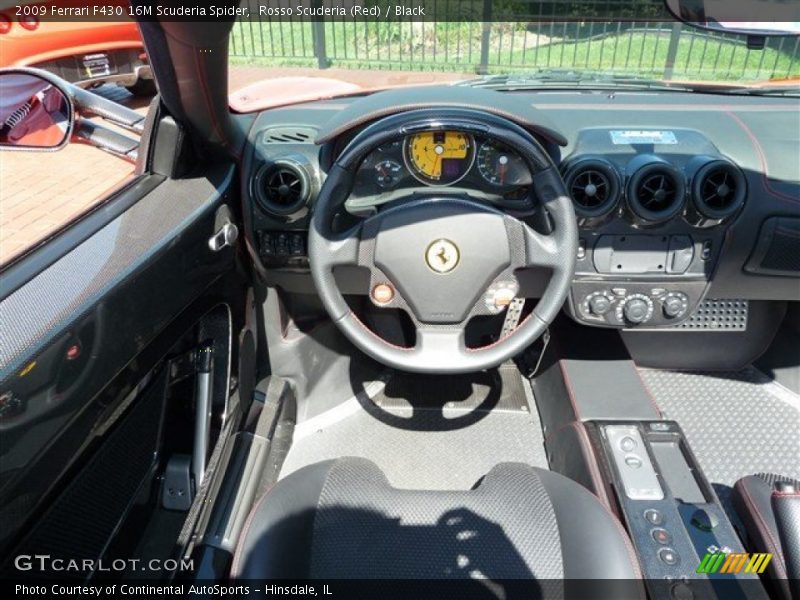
{"type": "Point", "coordinates": [656, 192]}
{"type": "Point", "coordinates": [718, 189]}
{"type": "Point", "coordinates": [281, 188]}
{"type": "Point", "coordinates": [288, 135]}
{"type": "Point", "coordinates": [594, 187]}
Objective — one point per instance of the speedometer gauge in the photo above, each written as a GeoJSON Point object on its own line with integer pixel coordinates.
{"type": "Point", "coordinates": [439, 157]}
{"type": "Point", "coordinates": [501, 166]}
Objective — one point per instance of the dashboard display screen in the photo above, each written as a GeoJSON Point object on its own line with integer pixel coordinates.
{"type": "Point", "coordinates": [439, 157]}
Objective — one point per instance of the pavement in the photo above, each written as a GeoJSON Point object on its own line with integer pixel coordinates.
{"type": "Point", "coordinates": [42, 192]}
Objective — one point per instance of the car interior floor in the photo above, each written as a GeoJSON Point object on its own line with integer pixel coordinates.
{"type": "Point", "coordinates": [738, 422]}
{"type": "Point", "coordinates": [447, 431]}
{"type": "Point", "coordinates": [428, 432]}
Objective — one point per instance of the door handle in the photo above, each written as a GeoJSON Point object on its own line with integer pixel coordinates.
{"type": "Point", "coordinates": [225, 237]}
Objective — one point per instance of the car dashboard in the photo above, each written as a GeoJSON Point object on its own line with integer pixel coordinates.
{"type": "Point", "coordinates": [687, 204]}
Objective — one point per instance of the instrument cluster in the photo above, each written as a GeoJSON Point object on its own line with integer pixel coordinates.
{"type": "Point", "coordinates": [442, 159]}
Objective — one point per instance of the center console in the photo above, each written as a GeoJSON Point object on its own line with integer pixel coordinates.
{"type": "Point", "coordinates": [673, 515]}
{"type": "Point", "coordinates": [653, 209]}
{"type": "Point", "coordinates": [605, 429]}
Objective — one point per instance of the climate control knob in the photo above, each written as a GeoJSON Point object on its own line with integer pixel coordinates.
{"type": "Point", "coordinates": [599, 304]}
{"type": "Point", "coordinates": [636, 309]}
{"type": "Point", "coordinates": [674, 305]}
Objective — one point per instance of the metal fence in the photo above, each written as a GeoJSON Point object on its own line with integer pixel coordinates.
{"type": "Point", "coordinates": [655, 48]}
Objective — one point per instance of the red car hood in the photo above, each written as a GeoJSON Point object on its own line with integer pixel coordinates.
{"type": "Point", "coordinates": [281, 91]}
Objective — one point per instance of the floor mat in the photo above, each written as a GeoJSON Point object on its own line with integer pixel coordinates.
{"type": "Point", "coordinates": [737, 423]}
{"type": "Point", "coordinates": [438, 433]}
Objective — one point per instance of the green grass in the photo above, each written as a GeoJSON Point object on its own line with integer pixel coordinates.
{"type": "Point", "coordinates": [448, 46]}
{"type": "Point", "coordinates": [697, 57]}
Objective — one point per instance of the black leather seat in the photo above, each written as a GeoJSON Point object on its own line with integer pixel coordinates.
{"type": "Point", "coordinates": [769, 507]}
{"type": "Point", "coordinates": [342, 520]}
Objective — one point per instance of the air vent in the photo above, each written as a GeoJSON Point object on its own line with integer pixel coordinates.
{"type": "Point", "coordinates": [281, 188]}
{"type": "Point", "coordinates": [718, 189]}
{"type": "Point", "coordinates": [289, 135]}
{"type": "Point", "coordinates": [593, 185]}
{"type": "Point", "coordinates": [656, 192]}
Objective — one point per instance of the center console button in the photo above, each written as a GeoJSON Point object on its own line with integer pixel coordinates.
{"type": "Point", "coordinates": [675, 305]}
{"type": "Point", "coordinates": [635, 310]}
{"type": "Point", "coordinates": [669, 557]}
{"type": "Point", "coordinates": [635, 474]}
{"type": "Point", "coordinates": [599, 305]}
{"type": "Point", "coordinates": [659, 426]}
{"type": "Point", "coordinates": [653, 516]}
{"type": "Point", "coordinates": [634, 462]}
{"type": "Point", "coordinates": [627, 444]}
{"type": "Point", "coordinates": [661, 536]}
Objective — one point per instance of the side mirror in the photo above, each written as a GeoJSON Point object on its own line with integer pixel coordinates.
{"type": "Point", "coordinates": [35, 112]}
{"type": "Point", "coordinates": [749, 17]}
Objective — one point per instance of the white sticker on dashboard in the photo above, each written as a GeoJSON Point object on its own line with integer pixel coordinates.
{"type": "Point", "coordinates": [642, 136]}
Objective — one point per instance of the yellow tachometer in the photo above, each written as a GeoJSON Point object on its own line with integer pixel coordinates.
{"type": "Point", "coordinates": [439, 157]}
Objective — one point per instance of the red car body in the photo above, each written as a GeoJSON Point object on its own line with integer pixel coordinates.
{"type": "Point", "coordinates": [84, 53]}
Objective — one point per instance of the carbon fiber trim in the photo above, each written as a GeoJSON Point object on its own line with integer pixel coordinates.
{"type": "Point", "coordinates": [80, 522]}
{"type": "Point", "coordinates": [42, 308]}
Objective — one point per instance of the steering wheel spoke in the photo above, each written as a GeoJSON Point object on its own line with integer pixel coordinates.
{"type": "Point", "coordinates": [344, 250]}
{"type": "Point", "coordinates": [440, 345]}
{"type": "Point", "coordinates": [541, 250]}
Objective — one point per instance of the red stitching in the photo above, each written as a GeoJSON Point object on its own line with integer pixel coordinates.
{"type": "Point", "coordinates": [377, 337]}
{"type": "Point", "coordinates": [761, 525]}
{"type": "Point", "coordinates": [626, 540]}
{"type": "Point", "coordinates": [594, 471]}
{"type": "Point", "coordinates": [405, 349]}
{"type": "Point", "coordinates": [237, 555]}
{"type": "Point", "coordinates": [218, 129]}
{"type": "Point", "coordinates": [570, 391]}
{"type": "Point", "coordinates": [761, 157]}
{"type": "Point", "coordinates": [597, 477]}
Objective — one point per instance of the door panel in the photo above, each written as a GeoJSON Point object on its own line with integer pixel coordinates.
{"type": "Point", "coordinates": [71, 329]}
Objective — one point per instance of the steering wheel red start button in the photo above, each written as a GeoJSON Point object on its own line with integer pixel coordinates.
{"type": "Point", "coordinates": [382, 293]}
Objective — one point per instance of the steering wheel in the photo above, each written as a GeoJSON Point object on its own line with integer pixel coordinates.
{"type": "Point", "coordinates": [436, 256]}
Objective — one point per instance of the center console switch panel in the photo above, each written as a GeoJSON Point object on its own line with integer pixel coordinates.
{"type": "Point", "coordinates": [283, 248]}
{"type": "Point", "coordinates": [629, 304]}
{"type": "Point", "coordinates": [673, 516]}
{"type": "Point", "coordinates": [636, 473]}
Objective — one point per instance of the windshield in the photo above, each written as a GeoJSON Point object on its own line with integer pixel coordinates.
{"type": "Point", "coordinates": [371, 53]}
